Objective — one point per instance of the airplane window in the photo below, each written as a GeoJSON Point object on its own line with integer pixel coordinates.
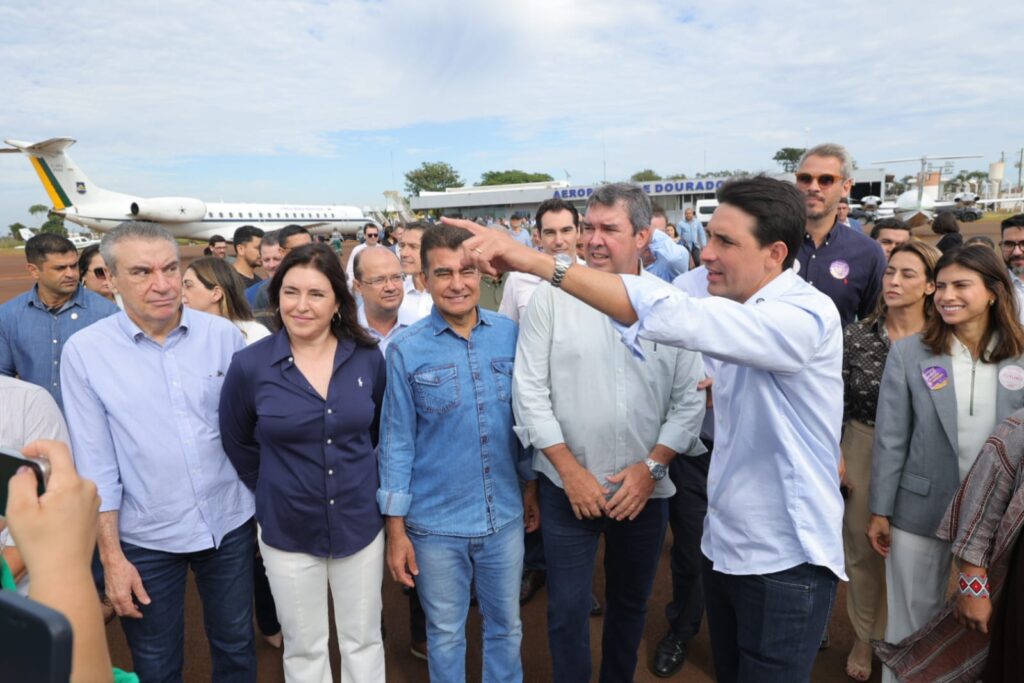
{"type": "Point", "coordinates": [220, 214]}
{"type": "Point", "coordinates": [250, 214]}
{"type": "Point", "coordinates": [231, 215]}
{"type": "Point", "coordinates": [261, 215]}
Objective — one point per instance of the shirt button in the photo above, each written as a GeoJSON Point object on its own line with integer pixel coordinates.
{"type": "Point", "coordinates": [329, 442]}
{"type": "Point", "coordinates": [56, 362]}
{"type": "Point", "coordinates": [332, 501]}
{"type": "Point", "coordinates": [329, 411]}
{"type": "Point", "coordinates": [490, 498]}
{"type": "Point", "coordinates": [54, 341]}
{"type": "Point", "coordinates": [291, 359]}
{"type": "Point", "coordinates": [330, 472]}
{"type": "Point", "coordinates": [487, 470]}
{"type": "Point", "coordinates": [812, 255]}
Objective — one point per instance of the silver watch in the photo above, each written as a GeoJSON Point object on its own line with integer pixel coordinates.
{"type": "Point", "coordinates": [658, 471]}
{"type": "Point", "coordinates": [562, 263]}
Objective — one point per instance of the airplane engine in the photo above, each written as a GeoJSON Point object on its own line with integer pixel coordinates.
{"type": "Point", "coordinates": [169, 209]}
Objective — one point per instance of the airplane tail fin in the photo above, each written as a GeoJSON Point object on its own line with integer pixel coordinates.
{"type": "Point", "coordinates": [63, 181]}
{"type": "Point", "coordinates": [26, 234]}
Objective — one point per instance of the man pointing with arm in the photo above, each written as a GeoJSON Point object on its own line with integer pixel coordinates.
{"type": "Point", "coordinates": [772, 537]}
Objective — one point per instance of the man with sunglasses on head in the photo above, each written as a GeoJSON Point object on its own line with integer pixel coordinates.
{"type": "Point", "coordinates": [846, 265]}
{"type": "Point", "coordinates": [35, 325]}
{"type": "Point", "coordinates": [371, 237]}
{"type": "Point", "coordinates": [1011, 246]}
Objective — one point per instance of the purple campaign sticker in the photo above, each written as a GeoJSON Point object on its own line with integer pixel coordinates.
{"type": "Point", "coordinates": [935, 377]}
{"type": "Point", "coordinates": [839, 269]}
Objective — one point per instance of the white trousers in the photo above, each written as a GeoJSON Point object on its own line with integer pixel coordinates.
{"type": "Point", "coordinates": [917, 575]}
{"type": "Point", "coordinates": [299, 583]}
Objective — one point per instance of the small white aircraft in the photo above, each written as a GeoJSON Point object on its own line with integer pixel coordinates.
{"type": "Point", "coordinates": [76, 238]}
{"type": "Point", "coordinates": [78, 200]}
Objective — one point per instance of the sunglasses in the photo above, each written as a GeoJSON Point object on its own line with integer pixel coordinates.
{"type": "Point", "coordinates": [371, 234]}
{"type": "Point", "coordinates": [824, 180]}
{"type": "Point", "coordinates": [100, 273]}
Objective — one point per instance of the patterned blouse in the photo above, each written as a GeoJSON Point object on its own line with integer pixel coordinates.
{"type": "Point", "coordinates": [865, 348]}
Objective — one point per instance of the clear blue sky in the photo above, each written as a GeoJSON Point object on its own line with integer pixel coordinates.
{"type": "Point", "coordinates": [332, 102]}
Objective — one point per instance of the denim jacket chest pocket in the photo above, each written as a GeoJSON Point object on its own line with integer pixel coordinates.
{"type": "Point", "coordinates": [436, 389]}
{"type": "Point", "coordinates": [501, 368]}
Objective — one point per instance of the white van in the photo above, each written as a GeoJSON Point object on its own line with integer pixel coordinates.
{"type": "Point", "coordinates": [704, 208]}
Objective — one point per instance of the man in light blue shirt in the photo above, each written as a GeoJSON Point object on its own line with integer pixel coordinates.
{"type": "Point", "coordinates": [772, 536]}
{"type": "Point", "coordinates": [378, 278]}
{"type": "Point", "coordinates": [664, 258]}
{"type": "Point", "coordinates": [35, 325]}
{"type": "Point", "coordinates": [450, 466]}
{"type": "Point", "coordinates": [520, 233]}
{"type": "Point", "coordinates": [691, 231]}
{"type": "Point", "coordinates": [142, 391]}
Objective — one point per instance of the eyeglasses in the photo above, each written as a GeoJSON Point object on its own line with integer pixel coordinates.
{"type": "Point", "coordinates": [371, 234]}
{"type": "Point", "coordinates": [100, 273]}
{"type": "Point", "coordinates": [379, 281]}
{"type": "Point", "coordinates": [1009, 246]}
{"type": "Point", "coordinates": [824, 180]}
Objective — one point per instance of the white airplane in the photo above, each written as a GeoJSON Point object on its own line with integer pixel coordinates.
{"type": "Point", "coordinates": [78, 200]}
{"type": "Point", "coordinates": [917, 206]}
{"type": "Point", "coordinates": [76, 238]}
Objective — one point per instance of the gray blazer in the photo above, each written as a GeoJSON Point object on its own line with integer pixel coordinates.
{"type": "Point", "coordinates": [914, 468]}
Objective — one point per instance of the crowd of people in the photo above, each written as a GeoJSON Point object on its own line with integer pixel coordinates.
{"type": "Point", "coordinates": [472, 409]}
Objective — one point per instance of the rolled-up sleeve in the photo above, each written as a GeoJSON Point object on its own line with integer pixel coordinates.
{"type": "Point", "coordinates": [237, 413]}
{"type": "Point", "coordinates": [397, 439]}
{"type": "Point", "coordinates": [91, 441]}
{"type": "Point", "coordinates": [536, 424]}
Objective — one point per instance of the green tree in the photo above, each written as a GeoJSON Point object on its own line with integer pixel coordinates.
{"type": "Point", "coordinates": [16, 229]}
{"type": "Point", "coordinates": [512, 177]}
{"type": "Point", "coordinates": [53, 222]}
{"type": "Point", "coordinates": [789, 158]}
{"type": "Point", "coordinates": [431, 176]}
{"type": "Point", "coordinates": [644, 176]}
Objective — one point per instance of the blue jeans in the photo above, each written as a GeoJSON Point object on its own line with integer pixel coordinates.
{"type": "Point", "coordinates": [448, 565]}
{"type": "Point", "coordinates": [224, 579]}
{"type": "Point", "coordinates": [767, 627]}
{"type": "Point", "coordinates": [632, 551]}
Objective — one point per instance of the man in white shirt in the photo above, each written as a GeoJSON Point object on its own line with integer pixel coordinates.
{"type": "Point", "coordinates": [379, 281]}
{"type": "Point", "coordinates": [603, 443]}
{"type": "Point", "coordinates": [558, 230]}
{"type": "Point", "coordinates": [416, 303]}
{"type": "Point", "coordinates": [772, 536]}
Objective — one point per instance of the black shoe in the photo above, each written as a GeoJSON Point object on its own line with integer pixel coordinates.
{"type": "Point", "coordinates": [595, 606]}
{"type": "Point", "coordinates": [670, 655]}
{"type": "Point", "coordinates": [531, 583]}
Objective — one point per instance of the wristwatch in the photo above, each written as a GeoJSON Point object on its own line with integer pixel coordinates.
{"type": "Point", "coordinates": [562, 263]}
{"type": "Point", "coordinates": [658, 471]}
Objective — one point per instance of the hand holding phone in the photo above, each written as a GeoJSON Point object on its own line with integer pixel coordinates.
{"type": "Point", "coordinates": [56, 529]}
{"type": "Point", "coordinates": [11, 462]}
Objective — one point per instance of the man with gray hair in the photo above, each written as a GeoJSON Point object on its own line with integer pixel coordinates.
{"type": "Point", "coordinates": [602, 446]}
{"type": "Point", "coordinates": [846, 265]}
{"type": "Point", "coordinates": [142, 390]}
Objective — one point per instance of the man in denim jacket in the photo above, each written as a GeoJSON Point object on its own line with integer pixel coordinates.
{"type": "Point", "coordinates": [450, 466]}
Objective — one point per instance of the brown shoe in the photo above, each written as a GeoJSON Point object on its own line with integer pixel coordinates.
{"type": "Point", "coordinates": [531, 583]}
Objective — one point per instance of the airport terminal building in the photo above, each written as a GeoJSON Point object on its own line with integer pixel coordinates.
{"type": "Point", "coordinates": [501, 201]}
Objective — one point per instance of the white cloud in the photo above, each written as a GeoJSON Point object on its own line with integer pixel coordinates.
{"type": "Point", "coordinates": [656, 82]}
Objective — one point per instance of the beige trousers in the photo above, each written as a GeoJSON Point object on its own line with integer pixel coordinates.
{"type": "Point", "coordinates": [865, 594]}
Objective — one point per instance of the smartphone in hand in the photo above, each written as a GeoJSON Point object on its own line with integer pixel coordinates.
{"type": "Point", "coordinates": [10, 462]}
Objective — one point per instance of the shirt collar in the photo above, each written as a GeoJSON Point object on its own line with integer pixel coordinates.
{"type": "Point", "coordinates": [775, 288]}
{"type": "Point", "coordinates": [77, 299]}
{"type": "Point", "coordinates": [830, 236]}
{"type": "Point", "coordinates": [365, 324]}
{"type": "Point", "coordinates": [135, 333]}
{"type": "Point", "coordinates": [439, 324]}
{"type": "Point", "coordinates": [281, 350]}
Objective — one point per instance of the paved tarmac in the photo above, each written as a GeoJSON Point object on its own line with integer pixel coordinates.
{"type": "Point", "coordinates": [403, 668]}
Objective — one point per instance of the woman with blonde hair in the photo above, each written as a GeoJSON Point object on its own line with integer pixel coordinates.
{"type": "Point", "coordinates": [906, 302]}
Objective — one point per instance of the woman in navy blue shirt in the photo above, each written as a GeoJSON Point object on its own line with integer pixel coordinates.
{"type": "Point", "coordinates": [299, 413]}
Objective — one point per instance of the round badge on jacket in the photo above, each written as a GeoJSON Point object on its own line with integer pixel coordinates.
{"type": "Point", "coordinates": [935, 377]}
{"type": "Point", "coordinates": [1012, 377]}
{"type": "Point", "coordinates": [839, 269]}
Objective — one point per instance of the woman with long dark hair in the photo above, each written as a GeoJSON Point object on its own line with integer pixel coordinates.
{"type": "Point", "coordinates": [210, 285]}
{"type": "Point", "coordinates": [299, 416]}
{"type": "Point", "coordinates": [942, 393]}
{"type": "Point", "coordinates": [907, 288]}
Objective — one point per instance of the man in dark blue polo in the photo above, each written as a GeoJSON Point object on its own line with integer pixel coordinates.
{"type": "Point", "coordinates": [846, 265]}
{"type": "Point", "coordinates": [35, 325]}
